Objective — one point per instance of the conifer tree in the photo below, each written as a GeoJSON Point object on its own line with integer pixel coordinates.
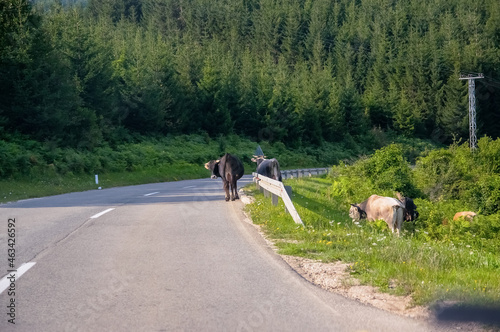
{"type": "Point", "coordinates": [453, 117]}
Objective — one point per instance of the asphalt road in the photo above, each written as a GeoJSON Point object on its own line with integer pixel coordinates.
{"type": "Point", "coordinates": [162, 257]}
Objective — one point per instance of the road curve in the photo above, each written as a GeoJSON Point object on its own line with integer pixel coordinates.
{"type": "Point", "coordinates": [162, 257]}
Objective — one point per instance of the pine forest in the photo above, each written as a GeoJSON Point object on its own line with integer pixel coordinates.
{"type": "Point", "coordinates": [83, 74]}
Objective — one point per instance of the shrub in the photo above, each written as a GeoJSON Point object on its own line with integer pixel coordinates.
{"type": "Point", "coordinates": [18, 158]}
{"type": "Point", "coordinates": [8, 153]}
{"type": "Point", "coordinates": [485, 193]}
{"type": "Point", "coordinates": [348, 186]}
{"type": "Point", "coordinates": [388, 170]}
{"type": "Point", "coordinates": [383, 174]}
{"type": "Point", "coordinates": [444, 173]}
{"type": "Point", "coordinates": [459, 174]}
{"type": "Point", "coordinates": [488, 156]}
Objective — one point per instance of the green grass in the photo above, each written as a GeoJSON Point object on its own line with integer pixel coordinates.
{"type": "Point", "coordinates": [429, 269]}
{"type": "Point", "coordinates": [52, 183]}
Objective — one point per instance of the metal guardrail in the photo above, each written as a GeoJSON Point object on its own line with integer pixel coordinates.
{"type": "Point", "coordinates": [277, 189]}
{"type": "Point", "coordinates": [298, 173]}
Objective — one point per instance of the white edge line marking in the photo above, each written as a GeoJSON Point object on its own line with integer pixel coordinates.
{"type": "Point", "coordinates": [5, 283]}
{"type": "Point", "coordinates": [27, 199]}
{"type": "Point", "coordinates": [101, 213]}
{"type": "Point", "coordinates": [156, 192]}
{"type": "Point", "coordinates": [188, 187]}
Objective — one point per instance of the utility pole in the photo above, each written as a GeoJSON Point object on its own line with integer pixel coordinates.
{"type": "Point", "coordinates": [472, 108]}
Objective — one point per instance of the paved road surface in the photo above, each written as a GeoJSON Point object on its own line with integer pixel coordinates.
{"type": "Point", "coordinates": [163, 257]}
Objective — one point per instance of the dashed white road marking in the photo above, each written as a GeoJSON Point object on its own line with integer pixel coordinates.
{"type": "Point", "coordinates": [101, 213]}
{"type": "Point", "coordinates": [156, 192]}
{"type": "Point", "coordinates": [188, 187]}
{"type": "Point", "coordinates": [6, 281]}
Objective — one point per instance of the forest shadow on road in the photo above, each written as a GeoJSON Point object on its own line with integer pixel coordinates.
{"type": "Point", "coordinates": [467, 313]}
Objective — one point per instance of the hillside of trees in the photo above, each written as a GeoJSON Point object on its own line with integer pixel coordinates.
{"type": "Point", "coordinates": [83, 74]}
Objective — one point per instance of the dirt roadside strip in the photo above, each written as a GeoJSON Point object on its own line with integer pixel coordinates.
{"type": "Point", "coordinates": [334, 277]}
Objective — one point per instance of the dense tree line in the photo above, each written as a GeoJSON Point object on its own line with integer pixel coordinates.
{"type": "Point", "coordinates": [299, 71]}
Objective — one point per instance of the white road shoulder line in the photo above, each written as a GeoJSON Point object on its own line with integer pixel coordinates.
{"type": "Point", "coordinates": [188, 187]}
{"type": "Point", "coordinates": [156, 192]}
{"type": "Point", "coordinates": [6, 281]}
{"type": "Point", "coordinates": [101, 213]}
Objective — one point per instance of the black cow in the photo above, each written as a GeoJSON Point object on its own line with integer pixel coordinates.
{"type": "Point", "coordinates": [268, 167]}
{"type": "Point", "coordinates": [230, 169]}
{"type": "Point", "coordinates": [411, 212]}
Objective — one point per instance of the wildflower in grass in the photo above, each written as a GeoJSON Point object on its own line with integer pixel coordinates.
{"type": "Point", "coordinates": [374, 244]}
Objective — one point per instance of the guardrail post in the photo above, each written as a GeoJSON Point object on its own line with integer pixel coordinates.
{"type": "Point", "coordinates": [289, 193]}
{"type": "Point", "coordinates": [274, 199]}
